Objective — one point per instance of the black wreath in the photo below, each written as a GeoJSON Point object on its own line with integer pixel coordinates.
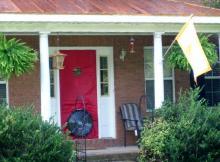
{"type": "Point", "coordinates": [80, 123]}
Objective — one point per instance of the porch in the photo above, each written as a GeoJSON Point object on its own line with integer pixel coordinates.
{"type": "Point", "coordinates": [128, 80]}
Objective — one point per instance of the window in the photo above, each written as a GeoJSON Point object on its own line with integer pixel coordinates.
{"type": "Point", "coordinates": [3, 91]}
{"type": "Point", "coordinates": [213, 85]}
{"type": "Point", "coordinates": [149, 78]}
{"type": "Point", "coordinates": [52, 83]}
{"type": "Point", "coordinates": [104, 79]}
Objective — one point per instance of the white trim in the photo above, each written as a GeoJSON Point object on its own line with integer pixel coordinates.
{"type": "Point", "coordinates": [98, 90]}
{"type": "Point", "coordinates": [174, 85]}
{"type": "Point", "coordinates": [7, 93]}
{"type": "Point", "coordinates": [57, 91]}
{"type": "Point", "coordinates": [7, 89]}
{"type": "Point", "coordinates": [99, 51]}
{"type": "Point", "coordinates": [108, 51]}
{"type": "Point", "coordinates": [44, 77]}
{"type": "Point", "coordinates": [219, 47]}
{"type": "Point", "coordinates": [158, 70]}
{"type": "Point", "coordinates": [7, 17]}
{"type": "Point", "coordinates": [172, 78]}
{"type": "Point", "coordinates": [212, 77]}
{"type": "Point", "coordinates": [103, 24]}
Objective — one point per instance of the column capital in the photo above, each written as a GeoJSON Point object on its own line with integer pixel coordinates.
{"type": "Point", "coordinates": [158, 34]}
{"type": "Point", "coordinates": [44, 33]}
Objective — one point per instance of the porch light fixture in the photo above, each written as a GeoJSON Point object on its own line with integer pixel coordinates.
{"type": "Point", "coordinates": [129, 50]}
{"type": "Point", "coordinates": [57, 60]}
{"type": "Point", "coordinates": [123, 54]}
{"type": "Point", "coordinates": [57, 57]}
{"type": "Point", "coordinates": [131, 45]}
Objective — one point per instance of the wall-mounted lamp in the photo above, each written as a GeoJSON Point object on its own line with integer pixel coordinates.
{"type": "Point", "coordinates": [123, 54]}
{"type": "Point", "coordinates": [129, 50]}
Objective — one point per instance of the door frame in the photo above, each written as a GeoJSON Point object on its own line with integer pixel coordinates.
{"type": "Point", "coordinates": [100, 51]}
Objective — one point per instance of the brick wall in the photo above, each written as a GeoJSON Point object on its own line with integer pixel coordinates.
{"type": "Point", "coordinates": [129, 75]}
{"type": "Point", "coordinates": [25, 90]}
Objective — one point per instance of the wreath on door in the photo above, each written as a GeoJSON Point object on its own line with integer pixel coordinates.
{"type": "Point", "coordinates": [80, 123]}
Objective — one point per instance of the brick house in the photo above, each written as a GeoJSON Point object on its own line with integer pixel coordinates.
{"type": "Point", "coordinates": [95, 35]}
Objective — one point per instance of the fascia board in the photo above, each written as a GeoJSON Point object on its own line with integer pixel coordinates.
{"type": "Point", "coordinates": [105, 18]}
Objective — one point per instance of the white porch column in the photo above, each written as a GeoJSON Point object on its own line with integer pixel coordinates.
{"type": "Point", "coordinates": [158, 70]}
{"type": "Point", "coordinates": [45, 76]}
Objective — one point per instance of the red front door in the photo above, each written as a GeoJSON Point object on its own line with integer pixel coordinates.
{"type": "Point", "coordinates": [78, 78]}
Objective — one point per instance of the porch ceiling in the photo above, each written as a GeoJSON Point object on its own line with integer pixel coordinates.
{"type": "Point", "coordinates": [105, 17]}
{"type": "Point", "coordinates": [102, 24]}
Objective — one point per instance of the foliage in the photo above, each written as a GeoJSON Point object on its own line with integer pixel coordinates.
{"type": "Point", "coordinates": [16, 57]}
{"type": "Point", "coordinates": [184, 131]}
{"type": "Point", "coordinates": [25, 137]}
{"type": "Point", "coordinates": [177, 59]}
{"type": "Point", "coordinates": [212, 3]}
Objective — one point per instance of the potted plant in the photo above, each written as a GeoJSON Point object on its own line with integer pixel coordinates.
{"type": "Point", "coordinates": [16, 57]}
{"type": "Point", "coordinates": [177, 59]}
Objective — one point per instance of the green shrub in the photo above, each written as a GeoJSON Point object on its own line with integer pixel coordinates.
{"type": "Point", "coordinates": [25, 137]}
{"type": "Point", "coordinates": [184, 131]}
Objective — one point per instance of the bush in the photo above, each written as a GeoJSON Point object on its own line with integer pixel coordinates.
{"type": "Point", "coordinates": [25, 137]}
{"type": "Point", "coordinates": [185, 131]}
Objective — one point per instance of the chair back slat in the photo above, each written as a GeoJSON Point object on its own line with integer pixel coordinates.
{"type": "Point", "coordinates": [130, 111]}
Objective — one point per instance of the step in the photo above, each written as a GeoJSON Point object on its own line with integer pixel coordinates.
{"type": "Point", "coordinates": [113, 154]}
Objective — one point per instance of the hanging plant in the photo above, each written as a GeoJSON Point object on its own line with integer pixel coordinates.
{"type": "Point", "coordinates": [177, 59]}
{"type": "Point", "coordinates": [16, 57]}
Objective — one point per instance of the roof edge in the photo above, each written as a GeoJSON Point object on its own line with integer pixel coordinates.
{"type": "Point", "coordinates": [46, 18]}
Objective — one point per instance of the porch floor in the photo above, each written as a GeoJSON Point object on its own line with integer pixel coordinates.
{"type": "Point", "coordinates": [113, 154]}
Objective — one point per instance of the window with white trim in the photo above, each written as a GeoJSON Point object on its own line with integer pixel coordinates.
{"type": "Point", "coordinates": [149, 78]}
{"type": "Point", "coordinates": [3, 91]}
{"type": "Point", "coordinates": [213, 84]}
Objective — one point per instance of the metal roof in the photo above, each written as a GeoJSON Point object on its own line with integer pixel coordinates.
{"type": "Point", "coordinates": [108, 7]}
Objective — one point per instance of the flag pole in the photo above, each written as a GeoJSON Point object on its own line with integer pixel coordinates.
{"type": "Point", "coordinates": [190, 17]}
{"type": "Point", "coordinates": [169, 48]}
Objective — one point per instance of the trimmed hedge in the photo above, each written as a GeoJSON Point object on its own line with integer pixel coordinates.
{"type": "Point", "coordinates": [184, 131]}
{"type": "Point", "coordinates": [25, 137]}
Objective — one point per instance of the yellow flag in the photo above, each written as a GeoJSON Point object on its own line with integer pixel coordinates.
{"type": "Point", "coordinates": [190, 44]}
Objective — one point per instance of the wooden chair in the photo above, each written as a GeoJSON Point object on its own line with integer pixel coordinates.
{"type": "Point", "coordinates": [131, 117]}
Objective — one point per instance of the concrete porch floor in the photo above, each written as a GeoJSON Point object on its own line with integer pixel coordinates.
{"type": "Point", "coordinates": [113, 154]}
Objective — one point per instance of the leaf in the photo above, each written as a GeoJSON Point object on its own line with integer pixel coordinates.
{"type": "Point", "coordinates": [177, 59]}
{"type": "Point", "coordinates": [16, 57]}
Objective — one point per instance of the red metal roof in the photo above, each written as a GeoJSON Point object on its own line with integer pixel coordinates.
{"type": "Point", "coordinates": [109, 7]}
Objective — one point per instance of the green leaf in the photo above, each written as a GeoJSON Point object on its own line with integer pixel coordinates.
{"type": "Point", "coordinates": [177, 59]}
{"type": "Point", "coordinates": [16, 57]}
